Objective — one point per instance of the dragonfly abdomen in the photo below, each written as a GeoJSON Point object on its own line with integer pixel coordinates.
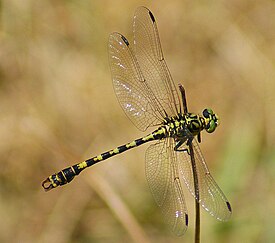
{"type": "Point", "coordinates": [67, 175]}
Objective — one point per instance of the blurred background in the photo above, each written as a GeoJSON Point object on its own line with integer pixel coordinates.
{"type": "Point", "coordinates": [58, 107]}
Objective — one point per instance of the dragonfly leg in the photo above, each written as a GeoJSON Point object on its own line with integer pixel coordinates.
{"type": "Point", "coordinates": [180, 142]}
{"type": "Point", "coordinates": [178, 145]}
{"type": "Point", "coordinates": [199, 137]}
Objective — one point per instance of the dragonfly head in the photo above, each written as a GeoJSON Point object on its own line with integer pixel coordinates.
{"type": "Point", "coordinates": [211, 120]}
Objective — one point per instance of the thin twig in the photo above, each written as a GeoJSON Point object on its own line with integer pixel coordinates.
{"type": "Point", "coordinates": [197, 195]}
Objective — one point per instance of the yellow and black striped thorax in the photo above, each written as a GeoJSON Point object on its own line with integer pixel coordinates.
{"type": "Point", "coordinates": [175, 125]}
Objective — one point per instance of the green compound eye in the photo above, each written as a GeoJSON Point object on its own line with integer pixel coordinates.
{"type": "Point", "coordinates": [210, 111]}
{"type": "Point", "coordinates": [211, 126]}
{"type": "Point", "coordinates": [207, 112]}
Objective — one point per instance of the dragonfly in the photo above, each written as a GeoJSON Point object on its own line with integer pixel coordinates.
{"type": "Point", "coordinates": [149, 97]}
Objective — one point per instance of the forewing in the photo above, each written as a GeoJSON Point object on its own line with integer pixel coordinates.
{"type": "Point", "coordinates": [211, 196]}
{"type": "Point", "coordinates": [130, 86]}
{"type": "Point", "coordinates": [150, 57]}
{"type": "Point", "coordinates": [165, 186]}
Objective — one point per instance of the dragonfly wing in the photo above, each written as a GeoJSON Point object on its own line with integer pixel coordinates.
{"type": "Point", "coordinates": [130, 85]}
{"type": "Point", "coordinates": [211, 197]}
{"type": "Point", "coordinates": [150, 57]}
{"type": "Point", "coordinates": [165, 186]}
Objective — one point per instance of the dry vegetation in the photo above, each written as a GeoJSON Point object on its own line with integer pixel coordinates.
{"type": "Point", "coordinates": [58, 107]}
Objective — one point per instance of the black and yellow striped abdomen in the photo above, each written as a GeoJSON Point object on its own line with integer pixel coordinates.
{"type": "Point", "coordinates": [67, 175]}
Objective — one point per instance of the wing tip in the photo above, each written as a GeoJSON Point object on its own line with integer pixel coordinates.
{"type": "Point", "coordinates": [229, 206]}
{"type": "Point", "coordinates": [152, 16]}
{"type": "Point", "coordinates": [124, 39]}
{"type": "Point", "coordinates": [182, 229]}
{"type": "Point", "coordinates": [116, 35]}
{"type": "Point", "coordinates": [143, 10]}
{"type": "Point", "coordinates": [186, 219]}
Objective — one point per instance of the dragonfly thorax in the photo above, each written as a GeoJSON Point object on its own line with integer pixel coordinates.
{"type": "Point", "coordinates": [176, 126]}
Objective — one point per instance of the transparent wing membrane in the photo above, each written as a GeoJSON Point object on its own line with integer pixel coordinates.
{"type": "Point", "coordinates": [211, 196]}
{"type": "Point", "coordinates": [130, 87]}
{"type": "Point", "coordinates": [150, 57]}
{"type": "Point", "coordinates": [165, 186]}
{"type": "Point", "coordinates": [141, 79]}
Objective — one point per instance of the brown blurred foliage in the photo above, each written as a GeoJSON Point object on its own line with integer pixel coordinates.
{"type": "Point", "coordinates": [58, 107]}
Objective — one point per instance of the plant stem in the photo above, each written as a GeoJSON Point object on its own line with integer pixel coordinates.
{"type": "Point", "coordinates": [197, 195]}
